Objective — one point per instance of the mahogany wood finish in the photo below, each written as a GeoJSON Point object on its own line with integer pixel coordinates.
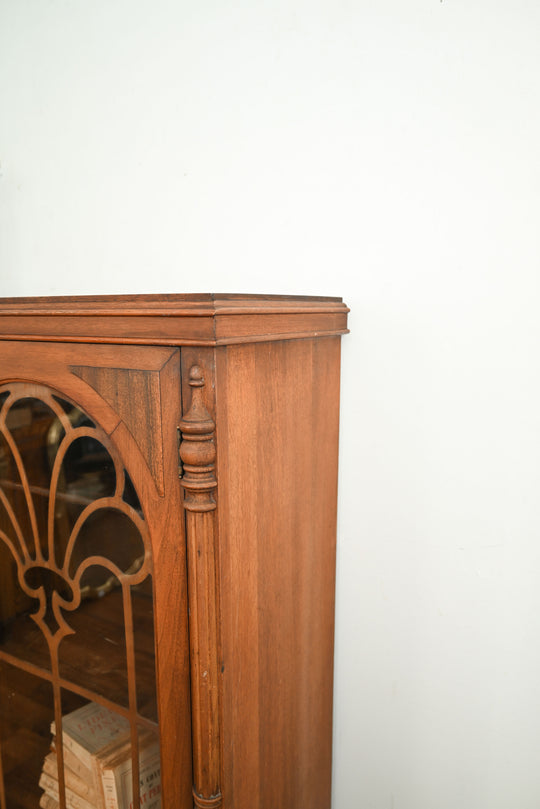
{"type": "Point", "coordinates": [198, 455]}
{"type": "Point", "coordinates": [224, 411]}
{"type": "Point", "coordinates": [277, 474]}
{"type": "Point", "coordinates": [171, 319]}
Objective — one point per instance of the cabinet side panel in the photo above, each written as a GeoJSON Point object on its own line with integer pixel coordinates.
{"type": "Point", "coordinates": [277, 417]}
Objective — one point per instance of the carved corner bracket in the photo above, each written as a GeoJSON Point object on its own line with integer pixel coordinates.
{"type": "Point", "coordinates": [198, 456]}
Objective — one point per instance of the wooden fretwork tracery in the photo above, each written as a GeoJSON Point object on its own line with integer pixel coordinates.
{"type": "Point", "coordinates": [56, 576]}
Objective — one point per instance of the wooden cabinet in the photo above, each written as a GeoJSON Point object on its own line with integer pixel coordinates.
{"type": "Point", "coordinates": [168, 482]}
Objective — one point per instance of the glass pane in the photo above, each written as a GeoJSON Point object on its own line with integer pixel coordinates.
{"type": "Point", "coordinates": [26, 713]}
{"type": "Point", "coordinates": [95, 655]}
{"type": "Point", "coordinates": [76, 604]}
{"type": "Point", "coordinates": [143, 632]}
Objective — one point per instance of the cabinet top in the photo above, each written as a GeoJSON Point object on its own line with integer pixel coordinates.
{"type": "Point", "coordinates": [205, 319]}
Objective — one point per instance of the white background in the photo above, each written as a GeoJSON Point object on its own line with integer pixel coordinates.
{"type": "Point", "coordinates": [387, 152]}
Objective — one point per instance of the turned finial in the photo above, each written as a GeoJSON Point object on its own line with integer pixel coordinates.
{"type": "Point", "coordinates": [196, 377]}
{"type": "Point", "coordinates": [197, 421]}
{"type": "Point", "coordinates": [197, 449]}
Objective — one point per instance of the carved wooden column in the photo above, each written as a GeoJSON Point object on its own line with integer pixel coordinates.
{"type": "Point", "coordinates": [198, 454]}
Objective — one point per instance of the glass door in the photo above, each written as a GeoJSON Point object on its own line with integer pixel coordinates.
{"type": "Point", "coordinates": [78, 707]}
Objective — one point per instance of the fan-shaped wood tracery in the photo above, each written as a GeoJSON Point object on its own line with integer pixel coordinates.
{"type": "Point", "coordinates": [72, 533]}
{"type": "Point", "coordinates": [46, 566]}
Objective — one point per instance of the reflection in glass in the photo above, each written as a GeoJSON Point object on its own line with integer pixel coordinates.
{"type": "Point", "coordinates": [26, 713]}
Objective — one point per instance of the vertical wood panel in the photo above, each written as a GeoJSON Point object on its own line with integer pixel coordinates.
{"type": "Point", "coordinates": [171, 608]}
{"type": "Point", "coordinates": [277, 410]}
{"type": "Point", "coordinates": [131, 393]}
{"type": "Point", "coordinates": [238, 545]}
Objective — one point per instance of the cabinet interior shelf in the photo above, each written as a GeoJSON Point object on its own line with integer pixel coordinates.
{"type": "Point", "coordinates": [95, 650]}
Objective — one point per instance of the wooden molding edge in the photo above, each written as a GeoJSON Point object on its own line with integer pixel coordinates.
{"type": "Point", "coordinates": [205, 321]}
{"type": "Point", "coordinates": [202, 305]}
{"type": "Point", "coordinates": [165, 341]}
{"type": "Point", "coordinates": [207, 803]}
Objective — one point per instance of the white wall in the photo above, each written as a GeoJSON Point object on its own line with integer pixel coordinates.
{"type": "Point", "coordinates": [387, 152]}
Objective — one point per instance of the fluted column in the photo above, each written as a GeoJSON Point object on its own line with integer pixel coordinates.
{"type": "Point", "coordinates": [198, 454]}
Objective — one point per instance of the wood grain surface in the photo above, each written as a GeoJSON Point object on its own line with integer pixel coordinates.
{"type": "Point", "coordinates": [52, 365]}
{"type": "Point", "coordinates": [170, 319]}
{"type": "Point", "coordinates": [224, 411]}
{"type": "Point", "coordinates": [277, 417]}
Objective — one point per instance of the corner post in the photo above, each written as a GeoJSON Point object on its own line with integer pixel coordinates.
{"type": "Point", "coordinates": [198, 455]}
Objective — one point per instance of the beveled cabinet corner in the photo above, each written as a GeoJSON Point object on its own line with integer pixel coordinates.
{"type": "Point", "coordinates": [168, 491]}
